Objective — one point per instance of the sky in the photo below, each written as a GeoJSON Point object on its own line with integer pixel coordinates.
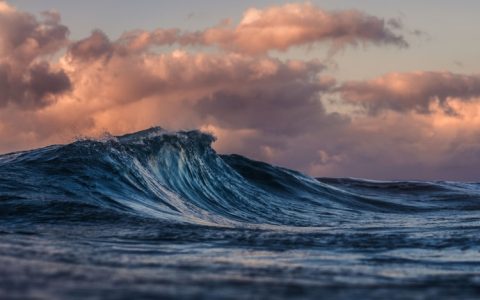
{"type": "Point", "coordinates": [370, 89]}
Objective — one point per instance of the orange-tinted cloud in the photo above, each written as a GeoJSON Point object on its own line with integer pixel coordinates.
{"type": "Point", "coordinates": [411, 91]}
{"type": "Point", "coordinates": [296, 24]}
{"type": "Point", "coordinates": [181, 90]}
{"type": "Point", "coordinates": [279, 28]}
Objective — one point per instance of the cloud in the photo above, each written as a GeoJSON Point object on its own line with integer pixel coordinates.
{"type": "Point", "coordinates": [416, 91]}
{"type": "Point", "coordinates": [26, 78]}
{"type": "Point", "coordinates": [293, 107]}
{"type": "Point", "coordinates": [399, 145]}
{"type": "Point", "coordinates": [176, 74]}
{"type": "Point", "coordinates": [24, 38]}
{"type": "Point", "coordinates": [140, 40]}
{"type": "Point", "coordinates": [93, 47]}
{"type": "Point", "coordinates": [35, 87]}
{"type": "Point", "coordinates": [181, 90]}
{"type": "Point", "coordinates": [278, 28]}
{"type": "Point", "coordinates": [297, 24]}
{"type": "Point", "coordinates": [268, 108]}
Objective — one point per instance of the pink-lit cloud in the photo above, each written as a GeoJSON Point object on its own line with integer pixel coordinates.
{"type": "Point", "coordinates": [279, 28]}
{"type": "Point", "coordinates": [416, 91]}
{"type": "Point", "coordinates": [296, 24]}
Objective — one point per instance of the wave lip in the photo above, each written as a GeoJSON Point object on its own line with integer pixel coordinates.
{"type": "Point", "coordinates": [178, 177]}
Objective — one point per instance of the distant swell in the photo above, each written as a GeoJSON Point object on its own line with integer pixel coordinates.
{"type": "Point", "coordinates": [178, 177]}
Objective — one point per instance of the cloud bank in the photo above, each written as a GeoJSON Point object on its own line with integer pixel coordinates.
{"type": "Point", "coordinates": [282, 27]}
{"type": "Point", "coordinates": [227, 80]}
{"type": "Point", "coordinates": [279, 28]}
{"type": "Point", "coordinates": [416, 91]}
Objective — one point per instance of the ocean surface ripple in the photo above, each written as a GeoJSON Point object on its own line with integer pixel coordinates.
{"type": "Point", "coordinates": [159, 214]}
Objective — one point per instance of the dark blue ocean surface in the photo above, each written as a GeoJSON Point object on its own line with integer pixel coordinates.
{"type": "Point", "coordinates": [159, 215]}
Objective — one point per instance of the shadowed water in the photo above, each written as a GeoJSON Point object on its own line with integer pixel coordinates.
{"type": "Point", "coordinates": [157, 215]}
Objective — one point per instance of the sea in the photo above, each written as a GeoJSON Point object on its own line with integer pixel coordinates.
{"type": "Point", "coordinates": [160, 215]}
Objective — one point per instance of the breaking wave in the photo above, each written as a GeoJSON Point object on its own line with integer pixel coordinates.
{"type": "Point", "coordinates": [178, 177]}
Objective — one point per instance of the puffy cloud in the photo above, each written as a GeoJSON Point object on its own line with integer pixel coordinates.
{"type": "Point", "coordinates": [293, 107]}
{"type": "Point", "coordinates": [93, 47]}
{"type": "Point", "coordinates": [26, 78]}
{"type": "Point", "coordinates": [36, 86]}
{"type": "Point", "coordinates": [193, 75]}
{"type": "Point", "coordinates": [267, 108]}
{"type": "Point", "coordinates": [416, 91]}
{"type": "Point", "coordinates": [296, 24]}
{"type": "Point", "coordinates": [24, 38]}
{"type": "Point", "coordinates": [184, 90]}
{"type": "Point", "coordinates": [399, 145]}
{"type": "Point", "coordinates": [279, 28]}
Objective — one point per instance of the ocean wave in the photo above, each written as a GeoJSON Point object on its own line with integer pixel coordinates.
{"type": "Point", "coordinates": [178, 177]}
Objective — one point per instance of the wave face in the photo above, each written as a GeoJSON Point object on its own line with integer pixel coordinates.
{"type": "Point", "coordinates": [179, 177]}
{"type": "Point", "coordinates": [127, 195]}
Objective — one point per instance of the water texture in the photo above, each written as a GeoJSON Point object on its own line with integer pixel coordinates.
{"type": "Point", "coordinates": [160, 215]}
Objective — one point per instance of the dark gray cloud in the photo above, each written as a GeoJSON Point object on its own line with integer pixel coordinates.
{"type": "Point", "coordinates": [26, 78]}
{"type": "Point", "coordinates": [281, 109]}
{"type": "Point", "coordinates": [34, 87]}
{"type": "Point", "coordinates": [97, 45]}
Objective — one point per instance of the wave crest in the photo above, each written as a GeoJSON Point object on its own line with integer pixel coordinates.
{"type": "Point", "coordinates": [178, 177]}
